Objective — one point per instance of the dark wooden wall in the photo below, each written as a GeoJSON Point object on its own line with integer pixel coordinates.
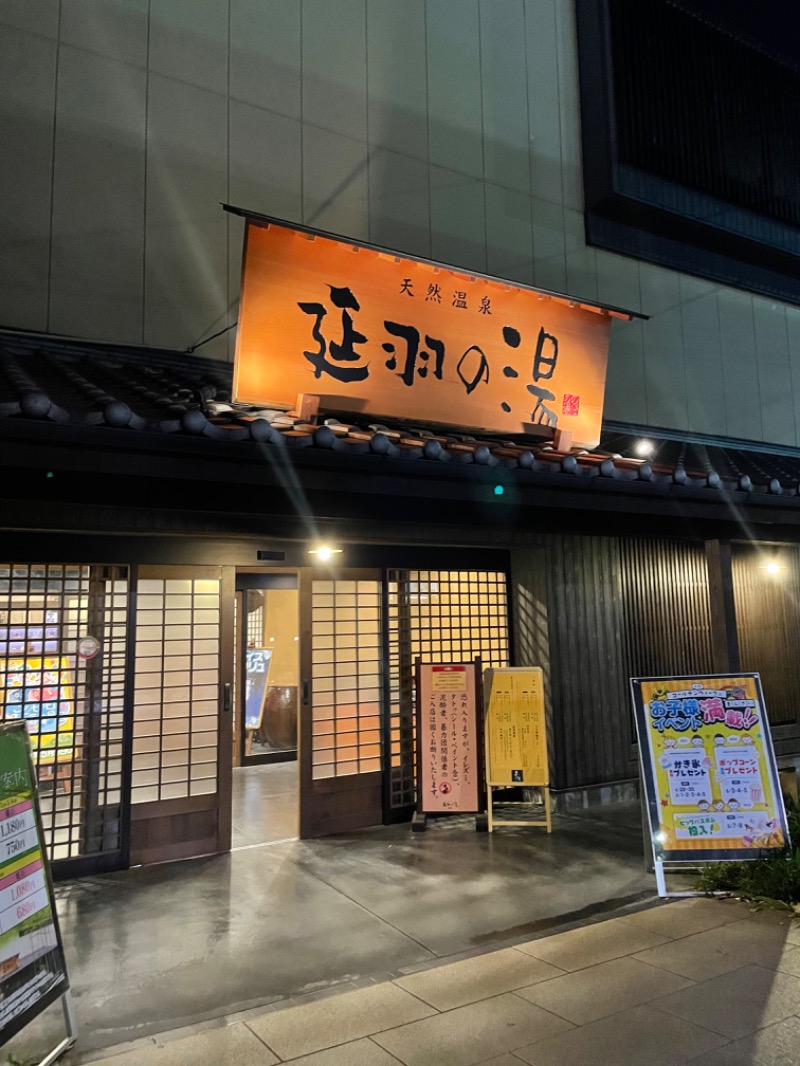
{"type": "Point", "coordinates": [768, 625]}
{"type": "Point", "coordinates": [596, 611]}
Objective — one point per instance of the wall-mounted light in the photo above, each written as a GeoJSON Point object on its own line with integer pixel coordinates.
{"type": "Point", "coordinates": [644, 448]}
{"type": "Point", "coordinates": [324, 552]}
{"type": "Point", "coordinates": [772, 568]}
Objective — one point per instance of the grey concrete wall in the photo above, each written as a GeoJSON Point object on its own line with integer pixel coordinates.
{"type": "Point", "coordinates": [445, 128]}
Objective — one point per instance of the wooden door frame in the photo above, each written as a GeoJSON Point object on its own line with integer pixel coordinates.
{"type": "Point", "coordinates": [158, 813]}
{"type": "Point", "coordinates": [240, 640]}
{"type": "Point", "coordinates": [309, 787]}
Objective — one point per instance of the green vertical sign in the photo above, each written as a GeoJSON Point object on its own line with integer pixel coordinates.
{"type": "Point", "coordinates": [33, 973]}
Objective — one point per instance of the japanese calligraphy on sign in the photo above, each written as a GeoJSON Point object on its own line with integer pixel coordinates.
{"type": "Point", "coordinates": [516, 735]}
{"type": "Point", "coordinates": [448, 751]}
{"type": "Point", "coordinates": [709, 767]}
{"type": "Point", "coordinates": [379, 334]}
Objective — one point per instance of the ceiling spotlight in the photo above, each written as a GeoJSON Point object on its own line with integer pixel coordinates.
{"type": "Point", "coordinates": [644, 448]}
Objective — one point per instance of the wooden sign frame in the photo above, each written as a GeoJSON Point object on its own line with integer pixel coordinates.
{"type": "Point", "coordinates": [532, 779]}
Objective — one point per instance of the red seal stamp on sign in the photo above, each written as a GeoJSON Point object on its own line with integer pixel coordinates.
{"type": "Point", "coordinates": [571, 404]}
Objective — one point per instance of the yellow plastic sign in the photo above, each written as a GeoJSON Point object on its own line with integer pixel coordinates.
{"type": "Point", "coordinates": [516, 733]}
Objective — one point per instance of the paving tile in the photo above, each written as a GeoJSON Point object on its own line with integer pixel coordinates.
{"type": "Point", "coordinates": [210, 1047]}
{"type": "Point", "coordinates": [471, 1034]}
{"type": "Point", "coordinates": [355, 1053]}
{"type": "Point", "coordinates": [337, 1019]}
{"type": "Point", "coordinates": [684, 917]}
{"type": "Point", "coordinates": [501, 1060]}
{"type": "Point", "coordinates": [735, 1004]}
{"type": "Point", "coordinates": [633, 1038]}
{"type": "Point", "coordinates": [592, 944]}
{"type": "Point", "coordinates": [586, 995]}
{"type": "Point", "coordinates": [777, 1045]}
{"type": "Point", "coordinates": [789, 961]}
{"type": "Point", "coordinates": [464, 982]}
{"type": "Point", "coordinates": [779, 925]}
{"type": "Point", "coordinates": [716, 951]}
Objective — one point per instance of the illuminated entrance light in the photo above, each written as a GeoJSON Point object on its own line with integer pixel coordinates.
{"type": "Point", "coordinates": [644, 448]}
{"type": "Point", "coordinates": [324, 552]}
{"type": "Point", "coordinates": [772, 567]}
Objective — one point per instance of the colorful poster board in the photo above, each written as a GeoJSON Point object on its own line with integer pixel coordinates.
{"type": "Point", "coordinates": [448, 738]}
{"type": "Point", "coordinates": [386, 335]}
{"type": "Point", "coordinates": [256, 674]}
{"type": "Point", "coordinates": [33, 973]}
{"type": "Point", "coordinates": [709, 768]}
{"type": "Point", "coordinates": [39, 691]}
{"type": "Point", "coordinates": [516, 732]}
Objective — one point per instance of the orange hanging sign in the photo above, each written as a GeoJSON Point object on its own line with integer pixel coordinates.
{"type": "Point", "coordinates": [377, 334]}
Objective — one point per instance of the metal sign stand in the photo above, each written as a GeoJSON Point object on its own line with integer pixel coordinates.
{"type": "Point", "coordinates": [664, 892]}
{"type": "Point", "coordinates": [71, 1023]}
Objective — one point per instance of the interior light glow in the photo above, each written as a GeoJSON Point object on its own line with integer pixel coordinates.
{"type": "Point", "coordinates": [644, 448]}
{"type": "Point", "coordinates": [773, 568]}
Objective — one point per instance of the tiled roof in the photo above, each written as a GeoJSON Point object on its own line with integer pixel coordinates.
{"type": "Point", "coordinates": [107, 389]}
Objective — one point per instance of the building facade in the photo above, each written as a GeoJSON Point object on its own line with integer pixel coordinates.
{"type": "Point", "coordinates": [139, 505]}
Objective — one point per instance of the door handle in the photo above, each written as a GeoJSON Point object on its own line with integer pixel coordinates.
{"type": "Point", "coordinates": [226, 697]}
{"type": "Point", "coordinates": [306, 691]}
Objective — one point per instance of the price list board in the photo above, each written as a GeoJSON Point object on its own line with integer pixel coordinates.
{"type": "Point", "coordinates": [33, 972]}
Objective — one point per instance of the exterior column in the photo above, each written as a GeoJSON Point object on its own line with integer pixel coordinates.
{"type": "Point", "coordinates": [724, 637]}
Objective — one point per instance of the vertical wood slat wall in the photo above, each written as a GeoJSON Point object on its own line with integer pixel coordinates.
{"type": "Point", "coordinates": [588, 682]}
{"type": "Point", "coordinates": [668, 621]}
{"type": "Point", "coordinates": [768, 625]}
{"type": "Point", "coordinates": [616, 609]}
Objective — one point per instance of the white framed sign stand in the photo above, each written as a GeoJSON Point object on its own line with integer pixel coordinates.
{"type": "Point", "coordinates": [708, 775]}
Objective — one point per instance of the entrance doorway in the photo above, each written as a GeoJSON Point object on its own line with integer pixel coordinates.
{"type": "Point", "coordinates": [265, 785]}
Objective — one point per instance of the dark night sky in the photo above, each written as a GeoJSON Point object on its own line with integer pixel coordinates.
{"type": "Point", "coordinates": [775, 24]}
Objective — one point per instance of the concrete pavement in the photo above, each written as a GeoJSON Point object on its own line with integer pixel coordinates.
{"type": "Point", "coordinates": [701, 981]}
{"type": "Point", "coordinates": [158, 948]}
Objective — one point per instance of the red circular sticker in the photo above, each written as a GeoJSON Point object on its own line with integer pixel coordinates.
{"type": "Point", "coordinates": [88, 647]}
